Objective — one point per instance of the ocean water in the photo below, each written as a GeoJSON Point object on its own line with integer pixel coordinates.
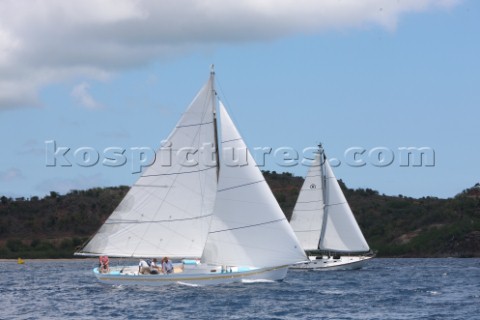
{"type": "Point", "coordinates": [384, 289]}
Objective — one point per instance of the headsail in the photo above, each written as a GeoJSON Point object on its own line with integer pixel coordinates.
{"type": "Point", "coordinates": [168, 210]}
{"type": "Point", "coordinates": [248, 227]}
{"type": "Point", "coordinates": [342, 232]}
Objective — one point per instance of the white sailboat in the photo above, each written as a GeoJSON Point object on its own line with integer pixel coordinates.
{"type": "Point", "coordinates": [324, 223]}
{"type": "Point", "coordinates": [217, 219]}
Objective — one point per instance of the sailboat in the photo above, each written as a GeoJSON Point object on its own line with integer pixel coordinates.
{"type": "Point", "coordinates": [324, 223]}
{"type": "Point", "coordinates": [205, 205]}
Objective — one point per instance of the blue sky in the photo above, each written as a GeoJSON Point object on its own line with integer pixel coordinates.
{"type": "Point", "coordinates": [366, 76]}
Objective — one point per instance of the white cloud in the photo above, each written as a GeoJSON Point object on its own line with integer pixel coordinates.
{"type": "Point", "coordinates": [32, 148]}
{"type": "Point", "coordinates": [51, 40]}
{"type": "Point", "coordinates": [10, 175]}
{"type": "Point", "coordinates": [80, 92]}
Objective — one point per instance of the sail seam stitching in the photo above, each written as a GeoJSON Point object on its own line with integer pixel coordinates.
{"type": "Point", "coordinates": [315, 201]}
{"type": "Point", "coordinates": [249, 226]}
{"type": "Point", "coordinates": [194, 125]}
{"type": "Point", "coordinates": [157, 221]}
{"type": "Point", "coordinates": [239, 186]}
{"type": "Point", "coordinates": [335, 204]}
{"type": "Point", "coordinates": [175, 173]}
{"type": "Point", "coordinates": [231, 140]}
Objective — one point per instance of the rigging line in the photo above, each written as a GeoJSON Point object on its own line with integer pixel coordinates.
{"type": "Point", "coordinates": [239, 186]}
{"type": "Point", "coordinates": [224, 96]}
{"type": "Point", "coordinates": [176, 173]}
{"type": "Point", "coordinates": [194, 125]}
{"type": "Point", "coordinates": [230, 112]}
{"type": "Point", "coordinates": [249, 226]}
{"type": "Point", "coordinates": [156, 221]}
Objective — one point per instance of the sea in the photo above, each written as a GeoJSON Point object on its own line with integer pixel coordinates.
{"type": "Point", "coordinates": [384, 289]}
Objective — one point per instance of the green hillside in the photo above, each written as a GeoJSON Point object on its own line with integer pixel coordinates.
{"type": "Point", "coordinates": [54, 226]}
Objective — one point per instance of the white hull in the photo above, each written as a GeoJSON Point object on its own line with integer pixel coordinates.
{"type": "Point", "coordinates": [200, 275]}
{"type": "Point", "coordinates": [329, 263]}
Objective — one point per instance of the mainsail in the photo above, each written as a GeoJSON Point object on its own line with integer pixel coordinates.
{"type": "Point", "coordinates": [307, 216]}
{"type": "Point", "coordinates": [322, 218]}
{"type": "Point", "coordinates": [168, 210]}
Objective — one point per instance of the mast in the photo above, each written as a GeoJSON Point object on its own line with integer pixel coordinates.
{"type": "Point", "coordinates": [215, 125]}
{"type": "Point", "coordinates": [323, 158]}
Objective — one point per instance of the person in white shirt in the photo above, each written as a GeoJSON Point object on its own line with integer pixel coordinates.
{"type": "Point", "coordinates": [154, 268]}
{"type": "Point", "coordinates": [143, 267]}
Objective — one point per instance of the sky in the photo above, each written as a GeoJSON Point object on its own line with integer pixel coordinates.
{"type": "Point", "coordinates": [364, 78]}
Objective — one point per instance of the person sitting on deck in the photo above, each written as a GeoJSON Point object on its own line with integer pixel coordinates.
{"type": "Point", "coordinates": [154, 268]}
{"type": "Point", "coordinates": [143, 267]}
{"type": "Point", "coordinates": [167, 266]}
{"type": "Point", "coordinates": [103, 266]}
